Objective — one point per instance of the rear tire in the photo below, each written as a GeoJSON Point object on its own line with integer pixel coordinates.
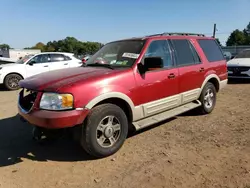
{"type": "Point", "coordinates": [104, 131]}
{"type": "Point", "coordinates": [11, 81]}
{"type": "Point", "coordinates": [207, 99]}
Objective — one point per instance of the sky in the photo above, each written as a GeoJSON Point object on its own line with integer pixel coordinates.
{"type": "Point", "coordinates": [26, 22]}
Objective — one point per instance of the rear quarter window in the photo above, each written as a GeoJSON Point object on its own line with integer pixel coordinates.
{"type": "Point", "coordinates": [211, 50]}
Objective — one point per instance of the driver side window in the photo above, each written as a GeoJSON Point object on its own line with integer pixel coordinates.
{"type": "Point", "coordinates": [160, 48]}
{"type": "Point", "coordinates": [44, 58]}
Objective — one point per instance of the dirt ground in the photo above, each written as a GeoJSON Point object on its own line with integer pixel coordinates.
{"type": "Point", "coordinates": [187, 151]}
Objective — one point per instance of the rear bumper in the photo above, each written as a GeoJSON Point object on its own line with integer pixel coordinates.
{"type": "Point", "coordinates": [52, 119]}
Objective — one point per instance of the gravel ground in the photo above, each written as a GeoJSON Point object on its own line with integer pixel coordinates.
{"type": "Point", "coordinates": [186, 151]}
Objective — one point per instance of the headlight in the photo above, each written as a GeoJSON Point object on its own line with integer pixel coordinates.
{"type": "Point", "coordinates": [54, 101]}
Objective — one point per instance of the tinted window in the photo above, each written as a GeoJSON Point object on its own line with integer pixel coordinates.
{"type": "Point", "coordinates": [44, 58]}
{"type": "Point", "coordinates": [243, 54]}
{"type": "Point", "coordinates": [211, 49]}
{"type": "Point", "coordinates": [184, 53]}
{"type": "Point", "coordinates": [57, 57]}
{"type": "Point", "coordinates": [160, 48]}
{"type": "Point", "coordinates": [195, 54]}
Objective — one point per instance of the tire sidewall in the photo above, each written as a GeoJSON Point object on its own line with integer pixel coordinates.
{"type": "Point", "coordinates": [208, 86]}
{"type": "Point", "coordinates": [6, 81]}
{"type": "Point", "coordinates": [89, 130]}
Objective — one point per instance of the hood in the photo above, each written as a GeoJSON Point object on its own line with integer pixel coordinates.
{"type": "Point", "coordinates": [54, 80]}
{"type": "Point", "coordinates": [239, 62]}
{"type": "Point", "coordinates": [8, 64]}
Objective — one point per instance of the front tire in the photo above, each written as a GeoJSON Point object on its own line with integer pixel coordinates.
{"type": "Point", "coordinates": [11, 81]}
{"type": "Point", "coordinates": [104, 131]}
{"type": "Point", "coordinates": [208, 98]}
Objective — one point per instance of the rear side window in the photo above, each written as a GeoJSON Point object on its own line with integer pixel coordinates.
{"type": "Point", "coordinates": [57, 57]}
{"type": "Point", "coordinates": [211, 49]}
{"type": "Point", "coordinates": [185, 52]}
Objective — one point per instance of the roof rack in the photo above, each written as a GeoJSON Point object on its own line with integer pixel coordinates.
{"type": "Point", "coordinates": [182, 34]}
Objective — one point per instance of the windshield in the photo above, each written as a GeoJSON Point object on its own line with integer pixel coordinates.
{"type": "Point", "coordinates": [243, 54]}
{"type": "Point", "coordinates": [117, 54]}
{"type": "Point", "coordinates": [24, 59]}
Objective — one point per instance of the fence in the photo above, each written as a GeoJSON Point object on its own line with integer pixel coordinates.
{"type": "Point", "coordinates": [234, 50]}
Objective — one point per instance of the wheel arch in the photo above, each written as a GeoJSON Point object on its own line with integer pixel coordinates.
{"type": "Point", "coordinates": [120, 99]}
{"type": "Point", "coordinates": [13, 73]}
{"type": "Point", "coordinates": [214, 79]}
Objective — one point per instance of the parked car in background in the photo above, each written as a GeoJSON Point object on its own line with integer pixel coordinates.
{"type": "Point", "coordinates": [85, 58]}
{"type": "Point", "coordinates": [30, 65]}
{"type": "Point", "coordinates": [239, 66]}
{"type": "Point", "coordinates": [128, 84]}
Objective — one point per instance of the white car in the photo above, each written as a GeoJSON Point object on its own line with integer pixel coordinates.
{"type": "Point", "coordinates": [239, 66]}
{"type": "Point", "coordinates": [12, 73]}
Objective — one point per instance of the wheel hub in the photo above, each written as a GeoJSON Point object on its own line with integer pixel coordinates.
{"type": "Point", "coordinates": [108, 132]}
{"type": "Point", "coordinates": [209, 98]}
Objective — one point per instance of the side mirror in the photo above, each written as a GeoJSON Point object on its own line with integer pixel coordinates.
{"type": "Point", "coordinates": [152, 63]}
{"type": "Point", "coordinates": [31, 63]}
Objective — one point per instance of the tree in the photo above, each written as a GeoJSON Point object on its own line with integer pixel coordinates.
{"type": "Point", "coordinates": [4, 46]}
{"type": "Point", "coordinates": [218, 41]}
{"type": "Point", "coordinates": [69, 44]}
{"type": "Point", "coordinates": [39, 46]}
{"type": "Point", "coordinates": [237, 37]}
{"type": "Point", "coordinates": [247, 34]}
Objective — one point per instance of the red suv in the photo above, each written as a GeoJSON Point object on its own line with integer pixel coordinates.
{"type": "Point", "coordinates": [143, 81]}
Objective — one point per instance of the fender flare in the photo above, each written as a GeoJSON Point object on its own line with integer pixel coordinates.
{"type": "Point", "coordinates": [109, 95]}
{"type": "Point", "coordinates": [210, 76]}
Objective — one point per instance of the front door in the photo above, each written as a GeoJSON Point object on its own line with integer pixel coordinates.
{"type": "Point", "coordinates": [38, 64]}
{"type": "Point", "coordinates": [158, 89]}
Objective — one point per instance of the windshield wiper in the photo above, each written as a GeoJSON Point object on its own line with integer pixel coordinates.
{"type": "Point", "coordinates": [99, 65]}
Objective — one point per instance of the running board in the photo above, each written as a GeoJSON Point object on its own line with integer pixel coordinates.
{"type": "Point", "coordinates": [165, 115]}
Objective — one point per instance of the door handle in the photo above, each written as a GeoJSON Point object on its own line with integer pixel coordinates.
{"type": "Point", "coordinates": [45, 66]}
{"type": "Point", "coordinates": [201, 69]}
{"type": "Point", "coordinates": [171, 75]}
{"type": "Point", "coordinates": [65, 63]}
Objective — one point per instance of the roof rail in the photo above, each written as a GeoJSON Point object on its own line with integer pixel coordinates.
{"type": "Point", "coordinates": [182, 34]}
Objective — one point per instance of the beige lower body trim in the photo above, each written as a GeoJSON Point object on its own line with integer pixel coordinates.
{"type": "Point", "coordinates": [223, 83]}
{"type": "Point", "coordinates": [161, 105]}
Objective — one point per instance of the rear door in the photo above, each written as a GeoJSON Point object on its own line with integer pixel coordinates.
{"type": "Point", "coordinates": [214, 56]}
{"type": "Point", "coordinates": [58, 61]}
{"type": "Point", "coordinates": [191, 70]}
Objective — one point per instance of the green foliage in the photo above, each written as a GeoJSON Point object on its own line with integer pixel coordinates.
{"type": "Point", "coordinates": [69, 44]}
{"type": "Point", "coordinates": [4, 46]}
{"type": "Point", "coordinates": [218, 41]}
{"type": "Point", "coordinates": [238, 37]}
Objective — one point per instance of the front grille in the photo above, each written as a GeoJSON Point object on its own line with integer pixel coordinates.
{"type": "Point", "coordinates": [27, 99]}
{"type": "Point", "coordinates": [238, 69]}
{"type": "Point", "coordinates": [239, 75]}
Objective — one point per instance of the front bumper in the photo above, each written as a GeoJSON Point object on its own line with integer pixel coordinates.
{"type": "Point", "coordinates": [45, 118]}
{"type": "Point", "coordinates": [52, 119]}
{"type": "Point", "coordinates": [1, 78]}
{"type": "Point", "coordinates": [239, 72]}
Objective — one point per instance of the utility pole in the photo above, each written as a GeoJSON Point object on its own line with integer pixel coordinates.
{"type": "Point", "coordinates": [214, 31]}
